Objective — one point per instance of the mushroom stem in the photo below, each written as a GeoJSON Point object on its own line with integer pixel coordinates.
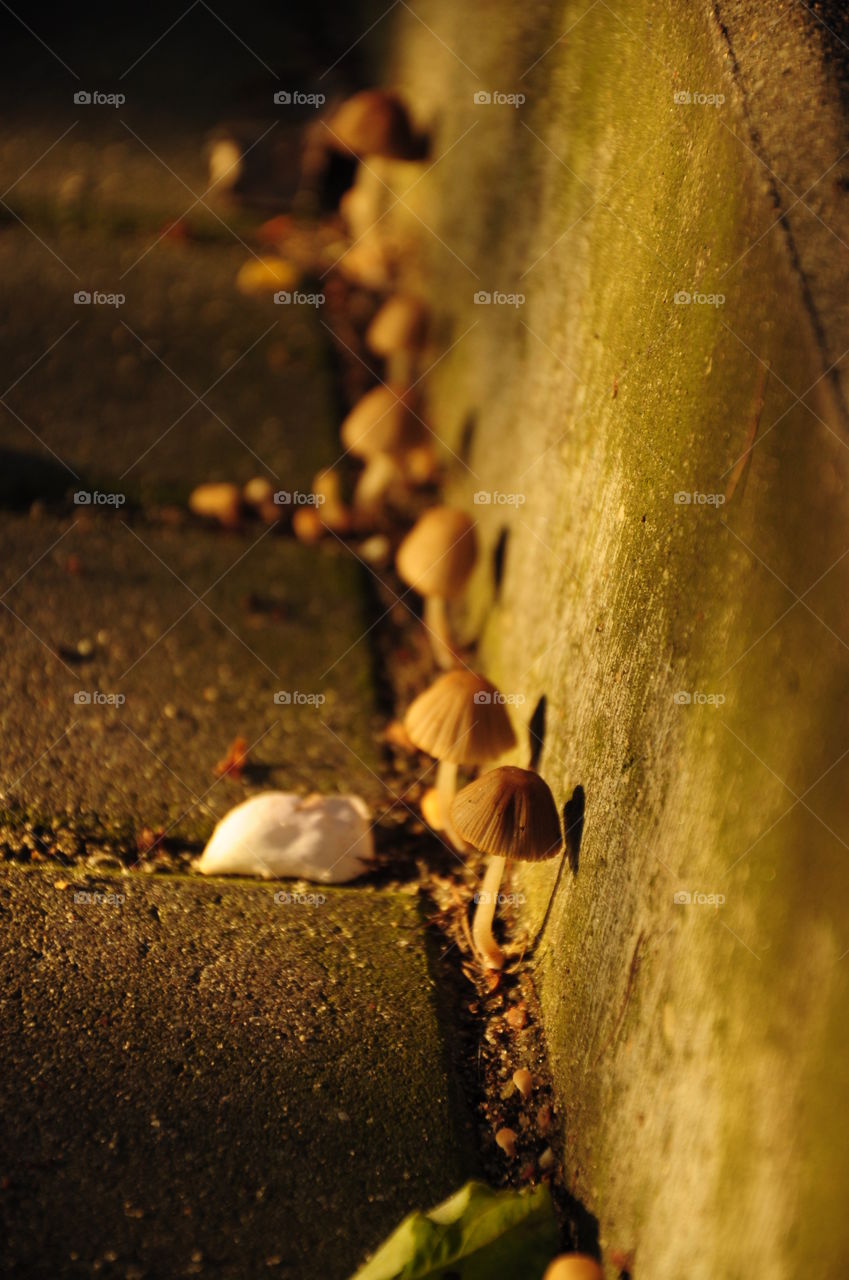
{"type": "Point", "coordinates": [487, 897]}
{"type": "Point", "coordinates": [439, 633]}
{"type": "Point", "coordinates": [375, 478]}
{"type": "Point", "coordinates": [446, 785]}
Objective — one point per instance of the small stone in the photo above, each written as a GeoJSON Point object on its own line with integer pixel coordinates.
{"type": "Point", "coordinates": [517, 1017]}
{"type": "Point", "coordinates": [547, 1159]}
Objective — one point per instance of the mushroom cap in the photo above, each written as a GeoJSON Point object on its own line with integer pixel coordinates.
{"type": "Point", "coordinates": [574, 1266]}
{"type": "Point", "coordinates": [375, 123]}
{"type": "Point", "coordinates": [509, 812]}
{"type": "Point", "coordinates": [461, 719]}
{"type": "Point", "coordinates": [382, 422]}
{"type": "Point", "coordinates": [399, 325]}
{"type": "Point", "coordinates": [438, 554]}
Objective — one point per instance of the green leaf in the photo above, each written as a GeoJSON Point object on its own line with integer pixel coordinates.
{"type": "Point", "coordinates": [478, 1234]}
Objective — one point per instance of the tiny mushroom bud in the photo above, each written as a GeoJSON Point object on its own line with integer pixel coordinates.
{"type": "Point", "coordinates": [506, 1140]}
{"type": "Point", "coordinates": [307, 526]}
{"type": "Point", "coordinates": [266, 275]}
{"type": "Point", "coordinates": [397, 332]}
{"type": "Point", "coordinates": [460, 720]}
{"type": "Point", "coordinates": [368, 263]}
{"type": "Point", "coordinates": [436, 558]}
{"type": "Point", "coordinates": [258, 491]}
{"type": "Point", "coordinates": [523, 1081]}
{"type": "Point", "coordinates": [574, 1266]}
{"type": "Point", "coordinates": [431, 809]}
{"type": "Point", "coordinates": [221, 502]}
{"type": "Point", "coordinates": [379, 429]}
{"type": "Point", "coordinates": [508, 813]}
{"type": "Point", "coordinates": [327, 487]}
{"type": "Point", "coordinates": [375, 123]}
{"type": "Point", "coordinates": [225, 164]}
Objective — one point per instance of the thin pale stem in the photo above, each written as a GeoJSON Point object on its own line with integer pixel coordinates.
{"type": "Point", "coordinates": [375, 478]}
{"type": "Point", "coordinates": [446, 785]}
{"type": "Point", "coordinates": [439, 632]}
{"type": "Point", "coordinates": [487, 899]}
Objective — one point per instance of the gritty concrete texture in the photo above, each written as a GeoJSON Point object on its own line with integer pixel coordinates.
{"type": "Point", "coordinates": [198, 632]}
{"type": "Point", "coordinates": [219, 1092]}
{"type": "Point", "coordinates": [699, 1047]}
{"type": "Point", "coordinates": [178, 380]}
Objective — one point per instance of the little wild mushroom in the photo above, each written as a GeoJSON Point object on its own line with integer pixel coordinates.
{"type": "Point", "coordinates": [375, 122]}
{"type": "Point", "coordinates": [510, 814]}
{"type": "Point", "coordinates": [460, 720]}
{"type": "Point", "coordinates": [436, 558]}
{"type": "Point", "coordinates": [397, 333]}
{"type": "Point", "coordinates": [379, 429]}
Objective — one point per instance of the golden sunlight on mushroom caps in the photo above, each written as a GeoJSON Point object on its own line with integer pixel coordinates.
{"type": "Point", "coordinates": [380, 428]}
{"type": "Point", "coordinates": [460, 720]}
{"type": "Point", "coordinates": [398, 325]}
{"type": "Point", "coordinates": [436, 558]}
{"type": "Point", "coordinates": [375, 123]}
{"type": "Point", "coordinates": [573, 1266]}
{"type": "Point", "coordinates": [510, 814]}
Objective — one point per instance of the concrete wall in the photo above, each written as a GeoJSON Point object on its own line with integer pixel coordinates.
{"type": "Point", "coordinates": [699, 1050]}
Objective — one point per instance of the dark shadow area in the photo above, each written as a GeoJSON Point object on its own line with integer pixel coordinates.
{"type": "Point", "coordinates": [573, 826]}
{"type": "Point", "coordinates": [499, 560]}
{"type": "Point", "coordinates": [536, 732]}
{"type": "Point", "coordinates": [467, 438]}
{"type": "Point", "coordinates": [28, 477]}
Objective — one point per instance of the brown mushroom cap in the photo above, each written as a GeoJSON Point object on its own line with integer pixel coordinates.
{"type": "Point", "coordinates": [382, 422]}
{"type": "Point", "coordinates": [510, 813]}
{"type": "Point", "coordinates": [375, 123]}
{"type": "Point", "coordinates": [461, 719]}
{"type": "Point", "coordinates": [399, 325]}
{"type": "Point", "coordinates": [439, 553]}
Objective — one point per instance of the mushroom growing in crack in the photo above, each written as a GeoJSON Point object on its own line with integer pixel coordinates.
{"type": "Point", "coordinates": [436, 559]}
{"type": "Point", "coordinates": [380, 428]}
{"type": "Point", "coordinates": [510, 814]}
{"type": "Point", "coordinates": [460, 720]}
{"type": "Point", "coordinates": [375, 122]}
{"type": "Point", "coordinates": [397, 333]}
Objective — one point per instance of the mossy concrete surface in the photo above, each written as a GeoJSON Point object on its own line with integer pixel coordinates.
{"type": "Point", "coordinates": [236, 1082]}
{"type": "Point", "coordinates": [639, 418]}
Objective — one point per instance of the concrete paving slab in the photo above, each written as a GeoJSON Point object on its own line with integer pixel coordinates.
{"type": "Point", "coordinates": [198, 632]}
{"type": "Point", "coordinates": [203, 1078]}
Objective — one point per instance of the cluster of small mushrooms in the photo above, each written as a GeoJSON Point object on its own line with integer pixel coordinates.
{"type": "Point", "coordinates": [461, 720]}
{"type": "Point", "coordinates": [507, 813]}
